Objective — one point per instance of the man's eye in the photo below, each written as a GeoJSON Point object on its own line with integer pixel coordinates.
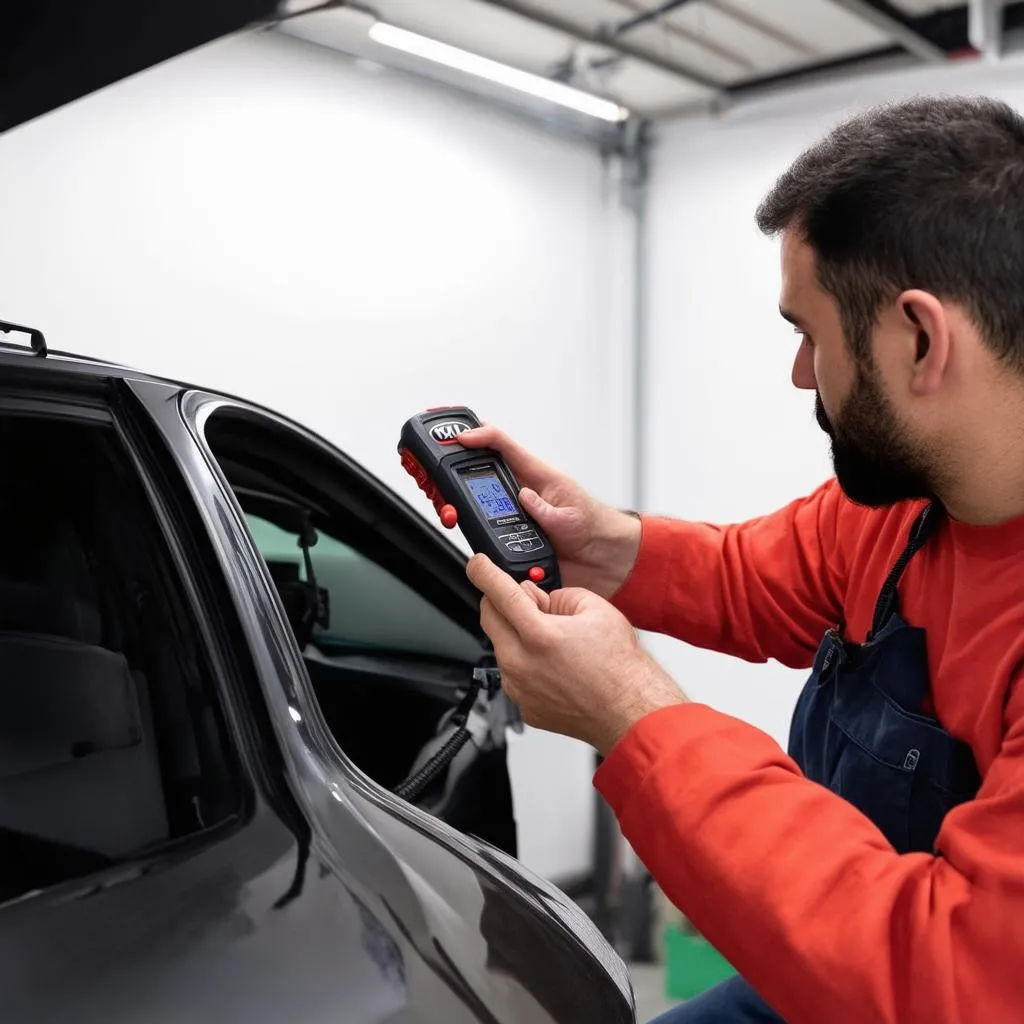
{"type": "Point", "coordinates": [805, 338]}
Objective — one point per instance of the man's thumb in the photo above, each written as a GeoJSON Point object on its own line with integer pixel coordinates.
{"type": "Point", "coordinates": [550, 518]}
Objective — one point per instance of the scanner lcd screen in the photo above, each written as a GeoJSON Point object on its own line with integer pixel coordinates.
{"type": "Point", "coordinates": [491, 496]}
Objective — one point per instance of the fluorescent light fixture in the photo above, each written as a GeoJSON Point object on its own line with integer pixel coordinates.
{"type": "Point", "coordinates": [503, 74]}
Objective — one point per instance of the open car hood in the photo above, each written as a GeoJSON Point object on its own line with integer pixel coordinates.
{"type": "Point", "coordinates": [54, 51]}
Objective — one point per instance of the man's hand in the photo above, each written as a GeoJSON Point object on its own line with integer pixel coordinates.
{"type": "Point", "coordinates": [569, 660]}
{"type": "Point", "coordinates": [596, 545]}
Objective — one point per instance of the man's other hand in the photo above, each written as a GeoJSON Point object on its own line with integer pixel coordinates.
{"type": "Point", "coordinates": [570, 661]}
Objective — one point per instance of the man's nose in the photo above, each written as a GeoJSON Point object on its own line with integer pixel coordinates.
{"type": "Point", "coordinates": [803, 368]}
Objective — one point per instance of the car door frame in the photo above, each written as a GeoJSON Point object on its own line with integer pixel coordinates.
{"type": "Point", "coordinates": [310, 751]}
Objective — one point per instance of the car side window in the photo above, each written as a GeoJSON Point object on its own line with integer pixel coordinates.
{"type": "Point", "coordinates": [378, 602]}
{"type": "Point", "coordinates": [369, 608]}
{"type": "Point", "coordinates": [112, 744]}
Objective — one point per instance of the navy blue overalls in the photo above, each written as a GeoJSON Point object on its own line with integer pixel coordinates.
{"type": "Point", "coordinates": [858, 729]}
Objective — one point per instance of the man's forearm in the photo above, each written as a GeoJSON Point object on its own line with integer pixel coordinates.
{"type": "Point", "coordinates": [804, 895]}
{"type": "Point", "coordinates": [647, 689]}
{"type": "Point", "coordinates": [755, 590]}
{"type": "Point", "coordinates": [615, 546]}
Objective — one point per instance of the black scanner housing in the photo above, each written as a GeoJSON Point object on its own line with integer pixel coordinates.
{"type": "Point", "coordinates": [442, 467]}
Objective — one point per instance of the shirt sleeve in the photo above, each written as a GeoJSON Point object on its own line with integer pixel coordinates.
{"type": "Point", "coordinates": [767, 588]}
{"type": "Point", "coordinates": [805, 896]}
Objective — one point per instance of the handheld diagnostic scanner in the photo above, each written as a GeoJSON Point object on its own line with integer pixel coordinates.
{"type": "Point", "coordinates": [474, 489]}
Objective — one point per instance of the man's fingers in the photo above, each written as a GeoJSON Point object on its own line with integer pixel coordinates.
{"type": "Point", "coordinates": [555, 521]}
{"type": "Point", "coordinates": [572, 601]}
{"type": "Point", "coordinates": [525, 465]}
{"type": "Point", "coordinates": [503, 637]}
{"type": "Point", "coordinates": [508, 598]}
{"type": "Point", "coordinates": [539, 597]}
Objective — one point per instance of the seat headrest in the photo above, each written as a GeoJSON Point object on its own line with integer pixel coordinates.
{"type": "Point", "coordinates": [62, 702]}
{"type": "Point", "coordinates": [29, 608]}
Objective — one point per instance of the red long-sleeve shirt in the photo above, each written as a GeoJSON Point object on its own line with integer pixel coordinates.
{"type": "Point", "coordinates": [798, 889]}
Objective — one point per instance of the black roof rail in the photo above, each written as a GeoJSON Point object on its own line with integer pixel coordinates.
{"type": "Point", "coordinates": [35, 337]}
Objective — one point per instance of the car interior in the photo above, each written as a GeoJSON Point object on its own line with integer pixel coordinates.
{"type": "Point", "coordinates": [111, 743]}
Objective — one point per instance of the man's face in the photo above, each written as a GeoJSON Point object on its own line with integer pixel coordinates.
{"type": "Point", "coordinates": [872, 455]}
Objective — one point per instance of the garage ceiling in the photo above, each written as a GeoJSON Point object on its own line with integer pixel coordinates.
{"type": "Point", "coordinates": [656, 57]}
{"type": "Point", "coordinates": [653, 57]}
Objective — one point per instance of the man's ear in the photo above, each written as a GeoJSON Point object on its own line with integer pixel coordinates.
{"type": "Point", "coordinates": [928, 340]}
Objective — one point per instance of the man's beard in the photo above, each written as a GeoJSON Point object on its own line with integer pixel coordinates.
{"type": "Point", "coordinates": [873, 459]}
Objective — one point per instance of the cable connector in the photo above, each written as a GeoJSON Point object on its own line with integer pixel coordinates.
{"type": "Point", "coordinates": [489, 678]}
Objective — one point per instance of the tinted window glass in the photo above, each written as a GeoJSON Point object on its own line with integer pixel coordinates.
{"type": "Point", "coordinates": [111, 742]}
{"type": "Point", "coordinates": [369, 607]}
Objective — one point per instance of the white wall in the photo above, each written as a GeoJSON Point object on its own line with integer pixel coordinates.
{"type": "Point", "coordinates": [728, 437]}
{"type": "Point", "coordinates": [347, 247]}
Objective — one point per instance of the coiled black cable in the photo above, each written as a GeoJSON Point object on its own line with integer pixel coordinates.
{"type": "Point", "coordinates": [416, 783]}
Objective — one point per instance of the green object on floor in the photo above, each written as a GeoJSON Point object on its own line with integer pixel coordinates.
{"type": "Point", "coordinates": [692, 964]}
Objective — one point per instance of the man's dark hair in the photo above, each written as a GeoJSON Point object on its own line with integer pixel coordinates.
{"type": "Point", "coordinates": [928, 194]}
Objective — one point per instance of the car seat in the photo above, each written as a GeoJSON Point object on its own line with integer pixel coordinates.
{"type": "Point", "coordinates": [78, 759]}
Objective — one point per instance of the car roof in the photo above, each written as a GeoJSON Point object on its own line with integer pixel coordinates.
{"type": "Point", "coordinates": [16, 356]}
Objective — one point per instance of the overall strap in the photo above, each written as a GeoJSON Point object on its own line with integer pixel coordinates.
{"type": "Point", "coordinates": [923, 528]}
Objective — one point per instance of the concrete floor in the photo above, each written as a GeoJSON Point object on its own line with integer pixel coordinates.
{"type": "Point", "coordinates": [649, 983]}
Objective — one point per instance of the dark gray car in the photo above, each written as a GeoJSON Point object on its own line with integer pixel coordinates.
{"type": "Point", "coordinates": [223, 647]}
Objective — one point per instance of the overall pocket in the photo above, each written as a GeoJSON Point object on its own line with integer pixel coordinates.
{"type": "Point", "coordinates": [892, 764]}
{"type": "Point", "coordinates": [932, 798]}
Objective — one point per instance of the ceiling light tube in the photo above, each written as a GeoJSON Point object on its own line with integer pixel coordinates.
{"type": "Point", "coordinates": [503, 74]}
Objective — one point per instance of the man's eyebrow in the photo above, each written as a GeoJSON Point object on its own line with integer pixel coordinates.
{"type": "Point", "coordinates": [789, 315]}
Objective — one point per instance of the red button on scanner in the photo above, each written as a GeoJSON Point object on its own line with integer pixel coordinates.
{"type": "Point", "coordinates": [536, 574]}
{"type": "Point", "coordinates": [449, 516]}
